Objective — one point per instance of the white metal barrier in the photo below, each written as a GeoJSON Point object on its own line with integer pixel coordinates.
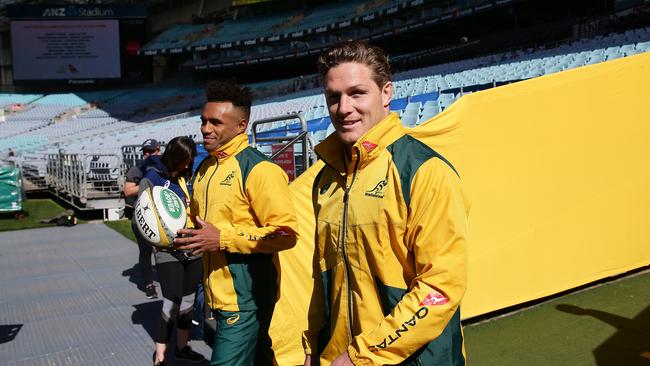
{"type": "Point", "coordinates": [304, 155]}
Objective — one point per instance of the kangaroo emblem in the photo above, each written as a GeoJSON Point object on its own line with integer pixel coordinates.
{"type": "Point", "coordinates": [378, 190]}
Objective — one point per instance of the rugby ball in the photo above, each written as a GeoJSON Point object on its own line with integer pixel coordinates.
{"type": "Point", "coordinates": [159, 213]}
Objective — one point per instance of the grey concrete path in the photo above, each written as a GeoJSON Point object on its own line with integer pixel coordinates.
{"type": "Point", "coordinates": [69, 296]}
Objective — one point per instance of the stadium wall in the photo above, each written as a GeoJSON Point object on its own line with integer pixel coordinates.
{"type": "Point", "coordinates": [557, 171]}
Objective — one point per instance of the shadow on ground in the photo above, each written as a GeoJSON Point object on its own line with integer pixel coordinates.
{"type": "Point", "coordinates": [145, 314]}
{"type": "Point", "coordinates": [8, 332]}
{"type": "Point", "coordinates": [135, 276]}
{"type": "Point", "coordinates": [629, 346]}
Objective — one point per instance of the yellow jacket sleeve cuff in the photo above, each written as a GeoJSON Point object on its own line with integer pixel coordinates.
{"type": "Point", "coordinates": [226, 237]}
{"type": "Point", "coordinates": [354, 357]}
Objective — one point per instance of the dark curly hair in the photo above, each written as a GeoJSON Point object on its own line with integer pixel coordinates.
{"type": "Point", "coordinates": [356, 51]}
{"type": "Point", "coordinates": [230, 91]}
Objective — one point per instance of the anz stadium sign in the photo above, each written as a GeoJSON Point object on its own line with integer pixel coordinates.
{"type": "Point", "coordinates": [73, 11]}
{"type": "Point", "coordinates": [76, 11]}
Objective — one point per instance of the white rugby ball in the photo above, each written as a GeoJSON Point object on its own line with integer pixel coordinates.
{"type": "Point", "coordinates": [159, 214]}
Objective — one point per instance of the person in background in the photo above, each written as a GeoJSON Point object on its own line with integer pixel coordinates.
{"type": "Point", "coordinates": [179, 271]}
{"type": "Point", "coordinates": [65, 219]}
{"type": "Point", "coordinates": [131, 188]}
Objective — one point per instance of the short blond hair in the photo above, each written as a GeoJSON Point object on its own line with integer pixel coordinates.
{"type": "Point", "coordinates": [356, 51]}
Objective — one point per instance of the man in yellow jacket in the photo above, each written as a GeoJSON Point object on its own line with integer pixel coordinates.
{"type": "Point", "coordinates": [391, 229]}
{"type": "Point", "coordinates": [243, 216]}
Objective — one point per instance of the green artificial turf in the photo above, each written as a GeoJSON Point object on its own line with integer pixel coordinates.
{"type": "Point", "coordinates": [605, 325]}
{"type": "Point", "coordinates": [35, 210]}
{"type": "Point", "coordinates": [123, 227]}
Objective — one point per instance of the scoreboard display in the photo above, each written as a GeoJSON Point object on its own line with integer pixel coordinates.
{"type": "Point", "coordinates": [77, 44]}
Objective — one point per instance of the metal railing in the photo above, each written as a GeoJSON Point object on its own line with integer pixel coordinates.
{"type": "Point", "coordinates": [96, 181]}
{"type": "Point", "coordinates": [307, 157]}
{"type": "Point", "coordinates": [33, 176]}
{"type": "Point", "coordinates": [79, 178]}
{"type": "Point", "coordinates": [131, 156]}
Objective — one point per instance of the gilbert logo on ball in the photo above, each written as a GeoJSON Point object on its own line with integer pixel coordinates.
{"type": "Point", "coordinates": [159, 213]}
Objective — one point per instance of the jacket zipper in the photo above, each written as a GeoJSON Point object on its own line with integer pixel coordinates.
{"type": "Point", "coordinates": [208, 191]}
{"type": "Point", "coordinates": [205, 216]}
{"type": "Point", "coordinates": [344, 253]}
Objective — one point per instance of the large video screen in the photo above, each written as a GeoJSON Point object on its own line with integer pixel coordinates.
{"type": "Point", "coordinates": [65, 49]}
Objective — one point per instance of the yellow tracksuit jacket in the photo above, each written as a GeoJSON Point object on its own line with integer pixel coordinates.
{"type": "Point", "coordinates": [245, 195]}
{"type": "Point", "coordinates": [390, 252]}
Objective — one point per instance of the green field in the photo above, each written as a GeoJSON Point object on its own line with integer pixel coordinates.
{"type": "Point", "coordinates": [123, 227]}
{"type": "Point", "coordinates": [36, 210]}
{"type": "Point", "coordinates": [604, 325]}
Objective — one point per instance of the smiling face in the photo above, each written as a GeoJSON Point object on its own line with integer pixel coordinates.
{"type": "Point", "coordinates": [220, 123]}
{"type": "Point", "coordinates": [355, 102]}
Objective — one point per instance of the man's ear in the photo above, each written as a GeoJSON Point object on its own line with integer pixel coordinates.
{"type": "Point", "coordinates": [387, 94]}
{"type": "Point", "coordinates": [243, 125]}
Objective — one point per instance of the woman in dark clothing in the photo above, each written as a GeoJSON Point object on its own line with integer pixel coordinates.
{"type": "Point", "coordinates": [179, 272]}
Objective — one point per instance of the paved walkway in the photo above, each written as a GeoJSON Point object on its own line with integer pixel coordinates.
{"type": "Point", "coordinates": [69, 296]}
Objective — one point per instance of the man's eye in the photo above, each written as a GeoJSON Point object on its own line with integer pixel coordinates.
{"type": "Point", "coordinates": [211, 121]}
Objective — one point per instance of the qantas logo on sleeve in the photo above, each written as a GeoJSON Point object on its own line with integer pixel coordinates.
{"type": "Point", "coordinates": [399, 332]}
{"type": "Point", "coordinates": [434, 298]}
{"type": "Point", "coordinates": [279, 232]}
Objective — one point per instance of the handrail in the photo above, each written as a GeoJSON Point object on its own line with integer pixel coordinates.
{"type": "Point", "coordinates": [302, 136]}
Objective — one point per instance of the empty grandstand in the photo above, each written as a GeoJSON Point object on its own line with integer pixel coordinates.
{"type": "Point", "coordinates": [77, 144]}
{"type": "Point", "coordinates": [73, 132]}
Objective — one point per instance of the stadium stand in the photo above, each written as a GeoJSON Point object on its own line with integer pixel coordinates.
{"type": "Point", "coordinates": [185, 36]}
{"type": "Point", "coordinates": [77, 146]}
{"type": "Point", "coordinates": [90, 130]}
{"type": "Point", "coordinates": [178, 36]}
{"type": "Point", "coordinates": [8, 99]}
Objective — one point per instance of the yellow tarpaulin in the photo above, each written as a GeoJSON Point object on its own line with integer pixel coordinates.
{"type": "Point", "coordinates": [558, 172]}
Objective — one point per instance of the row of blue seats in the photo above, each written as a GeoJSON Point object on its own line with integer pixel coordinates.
{"type": "Point", "coordinates": [184, 35]}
